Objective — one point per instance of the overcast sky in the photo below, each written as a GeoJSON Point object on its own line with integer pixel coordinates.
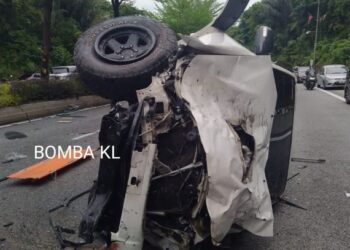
{"type": "Point", "coordinates": [149, 4]}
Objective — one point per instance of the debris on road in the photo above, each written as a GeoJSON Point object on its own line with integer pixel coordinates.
{"type": "Point", "coordinates": [308, 160]}
{"type": "Point", "coordinates": [13, 135]}
{"type": "Point", "coordinates": [47, 167]}
{"type": "Point", "coordinates": [347, 195]}
{"type": "Point", "coordinates": [75, 197]}
{"type": "Point", "coordinates": [293, 176]}
{"type": "Point", "coordinates": [8, 224]}
{"type": "Point", "coordinates": [58, 230]}
{"type": "Point", "coordinates": [303, 167]}
{"type": "Point", "coordinates": [289, 203]}
{"type": "Point", "coordinates": [13, 156]}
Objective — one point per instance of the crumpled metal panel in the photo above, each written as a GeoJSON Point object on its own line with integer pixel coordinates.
{"type": "Point", "coordinates": [215, 42]}
{"type": "Point", "coordinates": [222, 92]}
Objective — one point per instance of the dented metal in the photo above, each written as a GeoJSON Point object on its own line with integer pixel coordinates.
{"type": "Point", "coordinates": [222, 92]}
{"type": "Point", "coordinates": [195, 147]}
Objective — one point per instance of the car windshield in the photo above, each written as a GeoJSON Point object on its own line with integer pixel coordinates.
{"type": "Point", "coordinates": [336, 70]}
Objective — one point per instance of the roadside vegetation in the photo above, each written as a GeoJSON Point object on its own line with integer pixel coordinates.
{"type": "Point", "coordinates": [294, 25]}
{"type": "Point", "coordinates": [293, 22]}
{"type": "Point", "coordinates": [22, 27]}
{"type": "Point", "coordinates": [21, 92]}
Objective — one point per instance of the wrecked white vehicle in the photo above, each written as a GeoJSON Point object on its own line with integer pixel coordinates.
{"type": "Point", "coordinates": [203, 128]}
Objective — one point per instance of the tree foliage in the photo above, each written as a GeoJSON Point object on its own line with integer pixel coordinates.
{"type": "Point", "coordinates": [21, 31]}
{"type": "Point", "coordinates": [294, 25]}
{"type": "Point", "coordinates": [186, 16]}
{"type": "Point", "coordinates": [21, 28]}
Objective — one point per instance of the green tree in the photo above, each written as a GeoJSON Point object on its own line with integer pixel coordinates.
{"type": "Point", "coordinates": [294, 25]}
{"type": "Point", "coordinates": [22, 27]}
{"type": "Point", "coordinates": [186, 16]}
{"type": "Point", "coordinates": [20, 37]}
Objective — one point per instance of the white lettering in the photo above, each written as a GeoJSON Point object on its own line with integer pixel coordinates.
{"type": "Point", "coordinates": [89, 153]}
{"type": "Point", "coordinates": [114, 156]}
{"type": "Point", "coordinates": [78, 152]}
{"type": "Point", "coordinates": [104, 152]}
{"type": "Point", "coordinates": [53, 149]}
{"type": "Point", "coordinates": [39, 150]}
{"type": "Point", "coordinates": [64, 154]}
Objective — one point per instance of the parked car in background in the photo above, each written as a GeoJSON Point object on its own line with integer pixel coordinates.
{"type": "Point", "coordinates": [300, 73]}
{"type": "Point", "coordinates": [34, 76]}
{"type": "Point", "coordinates": [335, 75]}
{"type": "Point", "coordinates": [63, 72]}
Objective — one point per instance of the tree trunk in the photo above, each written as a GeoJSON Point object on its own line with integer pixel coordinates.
{"type": "Point", "coordinates": [116, 5]}
{"type": "Point", "coordinates": [47, 10]}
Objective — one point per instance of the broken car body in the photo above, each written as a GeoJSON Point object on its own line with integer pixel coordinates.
{"type": "Point", "coordinates": [204, 144]}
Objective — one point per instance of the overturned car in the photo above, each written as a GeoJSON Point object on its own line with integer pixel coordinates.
{"type": "Point", "coordinates": [203, 128]}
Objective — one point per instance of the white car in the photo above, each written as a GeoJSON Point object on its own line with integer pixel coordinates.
{"type": "Point", "coordinates": [34, 76]}
{"type": "Point", "coordinates": [63, 72]}
{"type": "Point", "coordinates": [332, 76]}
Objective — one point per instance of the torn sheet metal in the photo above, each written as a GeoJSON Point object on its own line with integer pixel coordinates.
{"type": "Point", "coordinates": [222, 92]}
{"type": "Point", "coordinates": [215, 42]}
{"type": "Point", "coordinates": [130, 233]}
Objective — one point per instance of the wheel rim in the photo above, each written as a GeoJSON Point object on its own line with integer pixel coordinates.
{"type": "Point", "coordinates": [125, 44]}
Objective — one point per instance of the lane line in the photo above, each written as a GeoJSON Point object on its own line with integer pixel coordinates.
{"type": "Point", "coordinates": [331, 94]}
{"type": "Point", "coordinates": [85, 135]}
{"type": "Point", "coordinates": [50, 116]}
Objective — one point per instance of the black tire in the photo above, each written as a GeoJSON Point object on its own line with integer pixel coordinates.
{"type": "Point", "coordinates": [113, 65]}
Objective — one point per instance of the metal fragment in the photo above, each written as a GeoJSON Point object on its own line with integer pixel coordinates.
{"type": "Point", "coordinates": [308, 160]}
{"type": "Point", "coordinates": [290, 178]}
{"type": "Point", "coordinates": [13, 156]}
{"type": "Point", "coordinates": [289, 203]}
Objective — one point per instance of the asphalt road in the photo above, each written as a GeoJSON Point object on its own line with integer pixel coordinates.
{"type": "Point", "coordinates": [321, 131]}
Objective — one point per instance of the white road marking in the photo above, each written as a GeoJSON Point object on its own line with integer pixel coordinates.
{"type": "Point", "coordinates": [331, 94]}
{"type": "Point", "coordinates": [85, 135]}
{"type": "Point", "coordinates": [279, 138]}
{"type": "Point", "coordinates": [50, 116]}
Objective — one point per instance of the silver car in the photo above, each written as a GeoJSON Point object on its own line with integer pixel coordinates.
{"type": "Point", "coordinates": [332, 76]}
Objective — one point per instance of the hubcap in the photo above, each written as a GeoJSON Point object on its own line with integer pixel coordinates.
{"type": "Point", "coordinates": [125, 44]}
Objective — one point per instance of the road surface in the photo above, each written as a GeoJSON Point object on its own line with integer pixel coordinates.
{"type": "Point", "coordinates": [321, 131]}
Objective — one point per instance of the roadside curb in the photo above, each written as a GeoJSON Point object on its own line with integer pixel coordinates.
{"type": "Point", "coordinates": [39, 109]}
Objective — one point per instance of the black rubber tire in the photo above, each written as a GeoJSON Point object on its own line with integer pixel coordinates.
{"type": "Point", "coordinates": [117, 81]}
